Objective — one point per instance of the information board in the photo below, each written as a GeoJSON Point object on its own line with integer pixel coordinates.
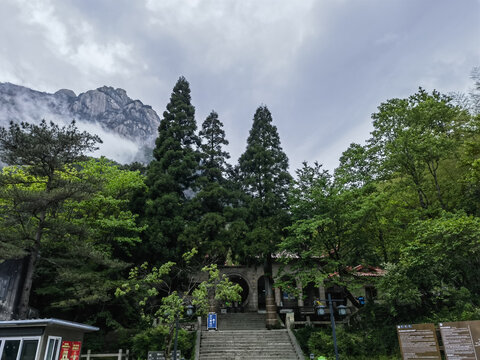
{"type": "Point", "coordinates": [155, 355]}
{"type": "Point", "coordinates": [158, 355]}
{"type": "Point", "coordinates": [418, 341]}
{"type": "Point", "coordinates": [212, 321]}
{"type": "Point", "coordinates": [461, 340]}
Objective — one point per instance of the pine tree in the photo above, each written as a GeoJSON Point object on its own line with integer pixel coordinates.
{"type": "Point", "coordinates": [171, 175]}
{"type": "Point", "coordinates": [215, 214]}
{"type": "Point", "coordinates": [265, 178]}
{"type": "Point", "coordinates": [264, 165]}
{"type": "Point", "coordinates": [34, 190]}
{"type": "Point", "coordinates": [214, 158]}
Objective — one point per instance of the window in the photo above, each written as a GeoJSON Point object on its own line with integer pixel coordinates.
{"type": "Point", "coordinates": [29, 349]}
{"type": "Point", "coordinates": [53, 348]}
{"type": "Point", "coordinates": [10, 349]}
{"type": "Point", "coordinates": [19, 348]}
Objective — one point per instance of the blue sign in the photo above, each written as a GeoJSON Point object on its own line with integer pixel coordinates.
{"type": "Point", "coordinates": [212, 321]}
{"type": "Point", "coordinates": [361, 300]}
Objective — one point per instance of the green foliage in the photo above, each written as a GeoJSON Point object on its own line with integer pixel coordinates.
{"type": "Point", "coordinates": [154, 339]}
{"type": "Point", "coordinates": [263, 166]}
{"type": "Point", "coordinates": [171, 177]}
{"type": "Point", "coordinates": [437, 266]}
{"type": "Point", "coordinates": [265, 179]}
{"type": "Point", "coordinates": [214, 157]}
{"type": "Point", "coordinates": [34, 191]}
{"type": "Point", "coordinates": [412, 137]}
{"type": "Point", "coordinates": [321, 342]}
{"type": "Point", "coordinates": [263, 173]}
{"type": "Point", "coordinates": [214, 208]}
{"type": "Point", "coordinates": [352, 343]}
{"type": "Point", "coordinates": [408, 201]}
{"type": "Point", "coordinates": [157, 301]}
{"type": "Point", "coordinates": [82, 270]}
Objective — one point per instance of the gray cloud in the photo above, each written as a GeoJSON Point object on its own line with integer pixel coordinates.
{"type": "Point", "coordinates": [322, 67]}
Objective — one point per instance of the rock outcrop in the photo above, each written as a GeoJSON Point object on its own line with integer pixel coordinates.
{"type": "Point", "coordinates": [107, 107]}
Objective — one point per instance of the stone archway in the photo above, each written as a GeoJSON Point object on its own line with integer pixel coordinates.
{"type": "Point", "coordinates": [242, 275]}
{"type": "Point", "coordinates": [238, 279]}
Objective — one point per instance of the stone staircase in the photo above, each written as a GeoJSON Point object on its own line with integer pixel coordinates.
{"type": "Point", "coordinates": [243, 336]}
{"type": "Point", "coordinates": [241, 321]}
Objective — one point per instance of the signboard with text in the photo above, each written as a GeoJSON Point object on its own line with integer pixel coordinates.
{"type": "Point", "coordinates": [65, 350]}
{"type": "Point", "coordinates": [461, 340]}
{"type": "Point", "coordinates": [212, 321]}
{"type": "Point", "coordinates": [70, 350]}
{"type": "Point", "coordinates": [418, 341]}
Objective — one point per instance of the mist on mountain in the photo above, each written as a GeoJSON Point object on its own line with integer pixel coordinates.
{"type": "Point", "coordinates": [127, 127]}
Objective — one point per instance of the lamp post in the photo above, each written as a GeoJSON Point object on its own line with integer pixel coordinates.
{"type": "Point", "coordinates": [342, 310]}
{"type": "Point", "coordinates": [175, 344]}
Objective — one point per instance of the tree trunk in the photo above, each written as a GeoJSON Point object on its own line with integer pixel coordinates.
{"type": "Point", "coordinates": [271, 307]}
{"type": "Point", "coordinates": [382, 245]}
{"type": "Point", "coordinates": [168, 347]}
{"type": "Point", "coordinates": [433, 170]}
{"type": "Point", "coordinates": [421, 196]}
{"type": "Point", "coordinates": [352, 298]}
{"type": "Point", "coordinates": [31, 267]}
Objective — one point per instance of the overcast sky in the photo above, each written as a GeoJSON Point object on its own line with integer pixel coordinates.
{"type": "Point", "coordinates": [322, 67]}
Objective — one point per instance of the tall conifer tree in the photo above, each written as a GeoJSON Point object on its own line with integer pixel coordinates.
{"type": "Point", "coordinates": [171, 175]}
{"type": "Point", "coordinates": [215, 222]}
{"type": "Point", "coordinates": [213, 156]}
{"type": "Point", "coordinates": [264, 173]}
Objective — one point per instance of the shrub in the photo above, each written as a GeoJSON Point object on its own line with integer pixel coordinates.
{"type": "Point", "coordinates": [154, 340]}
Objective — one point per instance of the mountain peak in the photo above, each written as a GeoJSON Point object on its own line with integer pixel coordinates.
{"type": "Point", "coordinates": [66, 93]}
{"type": "Point", "coordinates": [106, 106]}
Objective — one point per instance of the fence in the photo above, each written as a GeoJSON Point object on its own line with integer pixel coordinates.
{"type": "Point", "coordinates": [120, 355]}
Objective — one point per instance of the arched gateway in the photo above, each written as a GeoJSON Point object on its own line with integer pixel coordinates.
{"type": "Point", "coordinates": [251, 279]}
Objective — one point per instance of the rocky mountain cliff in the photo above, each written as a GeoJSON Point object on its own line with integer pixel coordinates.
{"type": "Point", "coordinates": [108, 108]}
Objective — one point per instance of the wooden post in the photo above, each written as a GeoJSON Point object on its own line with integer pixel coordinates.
{"type": "Point", "coordinates": [119, 354]}
{"type": "Point", "coordinates": [88, 354]}
{"type": "Point", "coordinates": [127, 354]}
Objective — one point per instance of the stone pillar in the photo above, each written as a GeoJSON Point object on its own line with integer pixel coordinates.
{"type": "Point", "coordinates": [271, 320]}
{"type": "Point", "coordinates": [321, 291]}
{"type": "Point", "coordinates": [290, 320]}
{"type": "Point", "coordinates": [278, 296]}
{"type": "Point", "coordinates": [253, 304]}
{"type": "Point", "coordinates": [300, 293]}
{"type": "Point", "coordinates": [271, 307]}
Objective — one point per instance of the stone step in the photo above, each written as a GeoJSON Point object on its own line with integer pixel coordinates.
{"type": "Point", "coordinates": [240, 321]}
{"type": "Point", "coordinates": [246, 344]}
{"type": "Point", "coordinates": [247, 356]}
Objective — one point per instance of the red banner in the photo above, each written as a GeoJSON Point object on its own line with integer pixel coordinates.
{"type": "Point", "coordinates": [70, 350]}
{"type": "Point", "coordinates": [75, 350]}
{"type": "Point", "coordinates": [65, 350]}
